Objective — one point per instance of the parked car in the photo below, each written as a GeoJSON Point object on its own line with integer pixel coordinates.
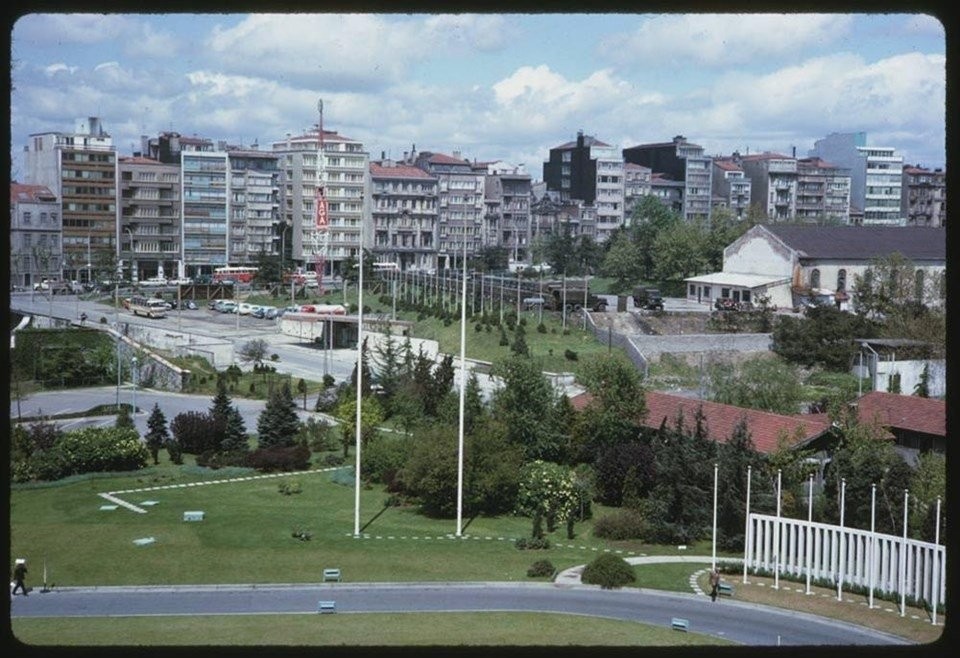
{"type": "Point", "coordinates": [227, 306]}
{"type": "Point", "coordinates": [273, 312]}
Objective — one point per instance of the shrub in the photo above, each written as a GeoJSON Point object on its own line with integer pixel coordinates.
{"type": "Point", "coordinates": [569, 355]}
{"type": "Point", "coordinates": [93, 450]}
{"type": "Point", "coordinates": [196, 432]}
{"type": "Point", "coordinates": [290, 487]}
{"type": "Point", "coordinates": [541, 568]}
{"type": "Point", "coordinates": [333, 459]}
{"type": "Point", "coordinates": [608, 571]}
{"type": "Point", "coordinates": [279, 458]}
{"type": "Point", "coordinates": [532, 543]}
{"type": "Point", "coordinates": [301, 533]}
{"type": "Point", "coordinates": [623, 524]}
{"type": "Point", "coordinates": [541, 328]}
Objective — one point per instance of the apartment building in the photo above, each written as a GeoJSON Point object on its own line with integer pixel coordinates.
{"type": "Point", "coordinates": [460, 206]}
{"type": "Point", "coordinates": [876, 175]}
{"type": "Point", "coordinates": [679, 161]}
{"type": "Point", "coordinates": [149, 230]}
{"type": "Point", "coordinates": [924, 196]}
{"type": "Point", "coordinates": [254, 205]}
{"type": "Point", "coordinates": [323, 161]}
{"type": "Point", "coordinates": [668, 192]}
{"type": "Point", "coordinates": [404, 215]}
{"type": "Point", "coordinates": [506, 218]}
{"type": "Point", "coordinates": [636, 186]}
{"type": "Point", "coordinates": [79, 168]}
{"type": "Point", "coordinates": [35, 233]}
{"type": "Point", "coordinates": [773, 183]}
{"type": "Point", "coordinates": [590, 171]}
{"type": "Point", "coordinates": [823, 191]}
{"type": "Point", "coordinates": [731, 185]}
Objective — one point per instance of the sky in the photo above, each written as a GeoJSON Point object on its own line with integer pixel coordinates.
{"type": "Point", "coordinates": [493, 87]}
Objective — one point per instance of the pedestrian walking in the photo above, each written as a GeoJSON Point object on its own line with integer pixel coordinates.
{"type": "Point", "coordinates": [714, 584]}
{"type": "Point", "coordinates": [19, 573]}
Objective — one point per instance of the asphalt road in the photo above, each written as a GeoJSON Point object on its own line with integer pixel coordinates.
{"type": "Point", "coordinates": [740, 622]}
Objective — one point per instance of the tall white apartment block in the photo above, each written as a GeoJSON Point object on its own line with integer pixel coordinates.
{"type": "Point", "coordinates": [342, 169]}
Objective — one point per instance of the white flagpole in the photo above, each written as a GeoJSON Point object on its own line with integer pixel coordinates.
{"type": "Point", "coordinates": [873, 539]}
{"type": "Point", "coordinates": [843, 540]}
{"type": "Point", "coordinates": [936, 565]}
{"type": "Point", "coordinates": [463, 387]}
{"type": "Point", "coordinates": [809, 533]}
{"type": "Point", "coordinates": [776, 537]}
{"type": "Point", "coordinates": [356, 512]}
{"type": "Point", "coordinates": [903, 557]}
{"type": "Point", "coordinates": [714, 554]}
{"type": "Point", "coordinates": [746, 531]}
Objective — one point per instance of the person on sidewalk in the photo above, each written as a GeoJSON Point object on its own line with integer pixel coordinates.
{"type": "Point", "coordinates": [714, 584]}
{"type": "Point", "coordinates": [19, 573]}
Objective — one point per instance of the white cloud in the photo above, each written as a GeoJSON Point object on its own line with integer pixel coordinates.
{"type": "Point", "coordinates": [717, 40]}
{"type": "Point", "coordinates": [148, 42]}
{"type": "Point", "coordinates": [458, 32]}
{"type": "Point", "coordinates": [74, 28]}
{"type": "Point", "coordinates": [59, 67]}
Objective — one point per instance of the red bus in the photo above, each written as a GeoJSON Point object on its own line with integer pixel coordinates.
{"type": "Point", "coordinates": [234, 273]}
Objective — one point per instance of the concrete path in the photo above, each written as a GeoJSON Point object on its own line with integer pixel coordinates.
{"type": "Point", "coordinates": [571, 577]}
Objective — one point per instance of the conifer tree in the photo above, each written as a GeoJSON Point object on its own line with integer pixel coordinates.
{"type": "Point", "coordinates": [235, 433]}
{"type": "Point", "coordinates": [279, 424]}
{"type": "Point", "coordinates": [157, 432]}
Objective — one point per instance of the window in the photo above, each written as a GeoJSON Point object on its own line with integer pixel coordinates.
{"type": "Point", "coordinates": [918, 286]}
{"type": "Point", "coordinates": [692, 291]}
{"type": "Point", "coordinates": [841, 280]}
{"type": "Point", "coordinates": [724, 292]}
{"type": "Point", "coordinates": [26, 217]}
{"type": "Point", "coordinates": [815, 278]}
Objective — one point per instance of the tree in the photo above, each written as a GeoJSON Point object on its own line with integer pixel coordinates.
{"type": "Point", "coordinates": [388, 360]}
{"type": "Point", "coordinates": [759, 382]}
{"type": "Point", "coordinates": [649, 218]}
{"type": "Point", "coordinates": [195, 432]}
{"type": "Point", "coordinates": [268, 268]}
{"type": "Point", "coordinates": [278, 424]}
{"type": "Point", "coordinates": [547, 492]}
{"type": "Point", "coordinates": [254, 351]}
{"type": "Point", "coordinates": [235, 433]}
{"type": "Point", "coordinates": [624, 472]}
{"type": "Point", "coordinates": [524, 403]}
{"type": "Point", "coordinates": [824, 337]}
{"type": "Point", "coordinates": [616, 409]}
{"type": "Point", "coordinates": [623, 262]}
{"type": "Point", "coordinates": [927, 484]}
{"type": "Point", "coordinates": [365, 364]}
{"type": "Point", "coordinates": [922, 387]}
{"type": "Point", "coordinates": [886, 286]}
{"type": "Point", "coordinates": [124, 419]}
{"type": "Point", "coordinates": [302, 390]}
{"type": "Point", "coordinates": [737, 455]}
{"type": "Point", "coordinates": [680, 252]}
{"type": "Point", "coordinates": [430, 473]}
{"type": "Point", "coordinates": [371, 417]}
{"type": "Point", "coordinates": [157, 432]}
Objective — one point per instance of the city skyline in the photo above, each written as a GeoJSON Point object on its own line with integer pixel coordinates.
{"type": "Point", "coordinates": [490, 86]}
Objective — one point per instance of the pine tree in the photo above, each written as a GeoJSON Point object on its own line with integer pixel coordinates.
{"type": "Point", "coordinates": [124, 420]}
{"type": "Point", "coordinates": [235, 433]}
{"type": "Point", "coordinates": [221, 402]}
{"type": "Point", "coordinates": [365, 364]}
{"type": "Point", "coordinates": [157, 432]}
{"type": "Point", "coordinates": [279, 424]}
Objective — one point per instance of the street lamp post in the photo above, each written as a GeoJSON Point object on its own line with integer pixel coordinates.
{"type": "Point", "coordinates": [134, 374]}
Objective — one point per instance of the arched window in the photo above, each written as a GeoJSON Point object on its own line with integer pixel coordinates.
{"type": "Point", "coordinates": [841, 280]}
{"type": "Point", "coordinates": [815, 278]}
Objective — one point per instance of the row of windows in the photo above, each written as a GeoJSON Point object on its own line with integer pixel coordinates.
{"type": "Point", "coordinates": [27, 217]}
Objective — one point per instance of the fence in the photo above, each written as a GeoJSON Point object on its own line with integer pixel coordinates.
{"type": "Point", "coordinates": [611, 337]}
{"type": "Point", "coordinates": [847, 555]}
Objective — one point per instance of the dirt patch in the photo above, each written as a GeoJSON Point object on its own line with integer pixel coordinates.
{"type": "Point", "coordinates": [654, 323]}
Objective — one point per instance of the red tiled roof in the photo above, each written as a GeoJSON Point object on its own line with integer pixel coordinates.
{"type": "Point", "coordinates": [397, 171]}
{"type": "Point", "coordinates": [729, 165]}
{"type": "Point", "coordinates": [904, 412]}
{"type": "Point", "coordinates": [440, 158]}
{"type": "Point", "coordinates": [720, 419]}
{"type": "Point", "coordinates": [21, 192]}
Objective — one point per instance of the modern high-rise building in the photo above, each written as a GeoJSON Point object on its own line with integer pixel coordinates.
{"type": "Point", "coordinates": [404, 212]}
{"type": "Point", "coordinates": [35, 233]}
{"type": "Point", "coordinates": [681, 161]}
{"type": "Point", "coordinates": [876, 174]}
{"type": "Point", "coordinates": [254, 205]}
{"type": "Point", "coordinates": [590, 171]}
{"type": "Point", "coordinates": [80, 169]}
{"type": "Point", "coordinates": [324, 160]}
{"type": "Point", "coordinates": [924, 196]}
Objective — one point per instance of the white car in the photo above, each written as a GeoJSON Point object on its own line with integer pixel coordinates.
{"type": "Point", "coordinates": [243, 308]}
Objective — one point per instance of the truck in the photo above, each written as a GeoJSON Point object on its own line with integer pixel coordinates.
{"type": "Point", "coordinates": [574, 291]}
{"type": "Point", "coordinates": [647, 298]}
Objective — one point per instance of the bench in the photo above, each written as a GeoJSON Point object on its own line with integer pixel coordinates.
{"type": "Point", "coordinates": [679, 624]}
{"type": "Point", "coordinates": [331, 575]}
{"type": "Point", "coordinates": [193, 516]}
{"type": "Point", "coordinates": [326, 607]}
{"type": "Point", "coordinates": [725, 589]}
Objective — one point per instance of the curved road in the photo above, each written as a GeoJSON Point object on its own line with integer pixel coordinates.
{"type": "Point", "coordinates": [740, 622]}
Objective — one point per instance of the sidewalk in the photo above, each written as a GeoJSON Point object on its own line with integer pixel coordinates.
{"type": "Point", "coordinates": [571, 577]}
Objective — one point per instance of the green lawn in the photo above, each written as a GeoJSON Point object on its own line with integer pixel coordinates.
{"type": "Point", "coordinates": [368, 629]}
{"type": "Point", "coordinates": [253, 523]}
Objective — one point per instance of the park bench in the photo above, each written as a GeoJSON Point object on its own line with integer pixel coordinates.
{"type": "Point", "coordinates": [331, 575]}
{"type": "Point", "coordinates": [679, 624]}
{"type": "Point", "coordinates": [725, 589]}
{"type": "Point", "coordinates": [326, 607]}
